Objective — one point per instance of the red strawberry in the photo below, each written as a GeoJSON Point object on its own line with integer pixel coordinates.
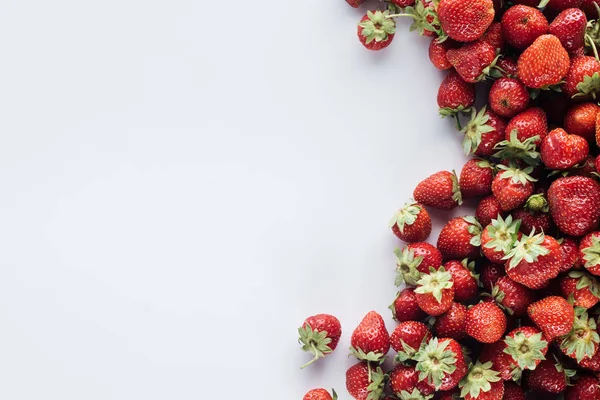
{"type": "Point", "coordinates": [569, 27]}
{"type": "Point", "coordinates": [364, 382]}
{"type": "Point", "coordinates": [320, 335]}
{"type": "Point", "coordinates": [582, 341]}
{"type": "Point", "coordinates": [440, 190]}
{"type": "Point", "coordinates": [512, 296]}
{"type": "Point", "coordinates": [407, 339]}
{"type": "Point", "coordinates": [466, 281]}
{"type": "Point", "coordinates": [512, 391]}
{"type": "Point", "coordinates": [465, 20]}
{"type": "Point", "coordinates": [508, 65]}
{"type": "Point", "coordinates": [488, 209]}
{"type": "Point", "coordinates": [574, 203]}
{"type": "Point", "coordinates": [593, 364]}
{"type": "Point", "coordinates": [498, 237]}
{"type": "Point", "coordinates": [485, 322]}
{"type": "Point", "coordinates": [442, 363]}
{"type": "Point", "coordinates": [589, 251]}
{"type": "Point", "coordinates": [411, 223]}
{"type": "Point", "coordinates": [562, 151]}
{"type": "Point", "coordinates": [549, 377]}
{"type": "Point", "coordinates": [512, 187]}
{"type": "Point", "coordinates": [582, 82]}
{"type": "Point", "coordinates": [553, 315]}
{"type": "Point", "coordinates": [526, 346]}
{"type": "Point", "coordinates": [587, 387]}
{"type": "Point", "coordinates": [598, 129]}
{"type": "Point", "coordinates": [482, 383]}
{"type": "Point", "coordinates": [584, 288]}
{"type": "Point", "coordinates": [528, 124]}
{"type": "Point", "coordinates": [455, 95]}
{"type": "Point", "coordinates": [405, 383]}
{"type": "Point", "coordinates": [544, 63]}
{"type": "Point", "coordinates": [370, 340]}
{"type": "Point", "coordinates": [375, 30]}
{"type": "Point", "coordinates": [404, 3]}
{"type": "Point", "coordinates": [437, 53]}
{"type": "Point", "coordinates": [355, 3]}
{"type": "Point", "coordinates": [476, 178]}
{"type": "Point", "coordinates": [534, 215]}
{"type": "Point", "coordinates": [483, 132]}
{"type": "Point", "coordinates": [490, 273]}
{"type": "Point", "coordinates": [581, 120]}
{"type": "Point", "coordinates": [320, 394]}
{"type": "Point", "coordinates": [494, 37]}
{"type": "Point", "coordinates": [405, 306]}
{"type": "Point", "coordinates": [501, 362]}
{"type": "Point", "coordinates": [460, 238]}
{"type": "Point", "coordinates": [435, 292]}
{"type": "Point", "coordinates": [508, 97]}
{"type": "Point", "coordinates": [559, 5]}
{"type": "Point", "coordinates": [534, 260]}
{"type": "Point", "coordinates": [570, 255]}
{"type": "Point", "coordinates": [473, 61]}
{"type": "Point", "coordinates": [522, 25]}
{"type": "Point", "coordinates": [414, 259]}
{"type": "Point", "coordinates": [452, 323]}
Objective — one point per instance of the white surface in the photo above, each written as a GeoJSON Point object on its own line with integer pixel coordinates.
{"type": "Point", "coordinates": [184, 182]}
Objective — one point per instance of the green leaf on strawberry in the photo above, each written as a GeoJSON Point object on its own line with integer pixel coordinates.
{"type": "Point", "coordinates": [515, 149]}
{"type": "Point", "coordinates": [377, 27]}
{"type": "Point", "coordinates": [528, 248]}
{"type": "Point", "coordinates": [525, 350]}
{"type": "Point", "coordinates": [478, 380]}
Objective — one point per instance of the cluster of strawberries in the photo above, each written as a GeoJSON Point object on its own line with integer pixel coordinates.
{"type": "Point", "coordinates": [505, 303]}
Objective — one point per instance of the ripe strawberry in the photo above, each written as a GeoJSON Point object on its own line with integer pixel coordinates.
{"type": "Point", "coordinates": [407, 339]}
{"type": "Point", "coordinates": [522, 25]}
{"type": "Point", "coordinates": [512, 187]}
{"type": "Point", "coordinates": [589, 251]}
{"type": "Point", "coordinates": [355, 3]}
{"type": "Point", "coordinates": [452, 323]}
{"type": "Point", "coordinates": [405, 383]}
{"type": "Point", "coordinates": [370, 340]}
{"type": "Point", "coordinates": [534, 215]}
{"type": "Point", "coordinates": [544, 63]}
{"type": "Point", "coordinates": [411, 223]}
{"type": "Point", "coordinates": [435, 292]}
{"type": "Point", "coordinates": [512, 296]}
{"type": "Point", "coordinates": [404, 3]}
{"type": "Point", "coordinates": [527, 347]}
{"type": "Point", "coordinates": [320, 394]}
{"type": "Point", "coordinates": [405, 306]}
{"type": "Point", "coordinates": [507, 64]}
{"type": "Point", "coordinates": [414, 259]}
{"type": "Point", "coordinates": [593, 364]}
{"type": "Point", "coordinates": [528, 124]}
{"type": "Point", "coordinates": [584, 288]}
{"type": "Point", "coordinates": [485, 322]}
{"type": "Point", "coordinates": [483, 132]}
{"type": "Point", "coordinates": [581, 120]}
{"type": "Point", "coordinates": [497, 238]}
{"type": "Point", "coordinates": [466, 281]}
{"type": "Point", "coordinates": [482, 383]}
{"type": "Point", "coordinates": [569, 27]}
{"type": "Point", "coordinates": [442, 363]}
{"type": "Point", "coordinates": [512, 391]}
{"type": "Point", "coordinates": [549, 377]}
{"type": "Point", "coordinates": [582, 341]}
{"type": "Point", "coordinates": [494, 37]}
{"type": "Point", "coordinates": [490, 273]}
{"type": "Point", "coordinates": [553, 315]}
{"type": "Point", "coordinates": [562, 151]}
{"type": "Point", "coordinates": [437, 53]}
{"type": "Point", "coordinates": [465, 20]}
{"type": "Point", "coordinates": [501, 362]}
{"type": "Point", "coordinates": [364, 382]}
{"type": "Point", "coordinates": [473, 61]}
{"type": "Point", "coordinates": [570, 255]}
{"type": "Point", "coordinates": [508, 97]}
{"type": "Point", "coordinates": [582, 82]}
{"type": "Point", "coordinates": [375, 30]}
{"type": "Point", "coordinates": [440, 190]}
{"type": "Point", "coordinates": [586, 387]}
{"type": "Point", "coordinates": [320, 335]}
{"type": "Point", "coordinates": [574, 203]}
{"type": "Point", "coordinates": [455, 95]}
{"type": "Point", "coordinates": [460, 238]}
{"type": "Point", "coordinates": [488, 209]}
{"type": "Point", "coordinates": [476, 178]}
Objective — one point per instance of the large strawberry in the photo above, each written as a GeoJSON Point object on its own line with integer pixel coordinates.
{"type": "Point", "coordinates": [582, 287]}
{"type": "Point", "coordinates": [414, 259]}
{"type": "Point", "coordinates": [411, 223]}
{"type": "Point", "coordinates": [365, 382]}
{"type": "Point", "coordinates": [582, 82]}
{"type": "Point", "coordinates": [543, 64]}
{"type": "Point", "coordinates": [482, 383]}
{"type": "Point", "coordinates": [405, 383]}
{"type": "Point", "coordinates": [562, 151]}
{"type": "Point", "coordinates": [583, 339]}
{"type": "Point", "coordinates": [527, 347]}
{"type": "Point", "coordinates": [534, 260]}
{"type": "Point", "coordinates": [473, 61]}
{"type": "Point", "coordinates": [553, 315]}
{"type": "Point", "coordinates": [589, 252]}
{"type": "Point", "coordinates": [487, 210]}
{"type": "Point", "coordinates": [569, 27]}
{"type": "Point", "coordinates": [573, 202]}
{"type": "Point", "coordinates": [407, 339]}
{"type": "Point", "coordinates": [498, 237]}
{"type": "Point", "coordinates": [521, 25]}
{"type": "Point", "coordinates": [508, 97]}
{"type": "Point", "coordinates": [441, 363]}
{"type": "Point", "coordinates": [466, 280]}
{"type": "Point", "coordinates": [587, 387]}
{"type": "Point", "coordinates": [405, 306]}
{"type": "Point", "coordinates": [320, 394]}
{"type": "Point", "coordinates": [440, 190]}
{"type": "Point", "coordinates": [528, 124]}
{"type": "Point", "coordinates": [581, 120]}
{"type": "Point", "coordinates": [476, 178]}
{"type": "Point", "coordinates": [512, 187]}
{"type": "Point", "coordinates": [483, 132]}
{"type": "Point", "coordinates": [451, 324]}
{"type": "Point", "coordinates": [485, 322]}
{"type": "Point", "coordinates": [370, 340]}
{"type": "Point", "coordinates": [511, 296]}
{"type": "Point", "coordinates": [320, 335]}
{"type": "Point", "coordinates": [549, 377]}
{"type": "Point", "coordinates": [435, 292]}
{"type": "Point", "coordinates": [460, 238]}
{"type": "Point", "coordinates": [375, 30]}
{"type": "Point", "coordinates": [465, 20]}
{"type": "Point", "coordinates": [455, 95]}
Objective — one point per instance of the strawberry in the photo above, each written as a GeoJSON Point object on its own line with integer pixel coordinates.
{"type": "Point", "coordinates": [320, 335]}
{"type": "Point", "coordinates": [581, 120]}
{"type": "Point", "coordinates": [435, 292]}
{"type": "Point", "coordinates": [583, 287]}
{"type": "Point", "coordinates": [407, 339]}
{"type": "Point", "coordinates": [490, 273]}
{"type": "Point", "coordinates": [522, 25]}
{"type": "Point", "coordinates": [501, 362]}
{"type": "Point", "coordinates": [512, 391]}
{"type": "Point", "coordinates": [534, 260]}
{"type": "Point", "coordinates": [488, 209]}
{"type": "Point", "coordinates": [507, 64]}
{"type": "Point", "coordinates": [508, 97]}
{"type": "Point", "coordinates": [598, 129]}
{"type": "Point", "coordinates": [553, 315]}
{"type": "Point", "coordinates": [411, 223]}
{"type": "Point", "coordinates": [438, 51]}
{"type": "Point", "coordinates": [498, 237]}
{"type": "Point", "coordinates": [405, 383]}
{"type": "Point", "coordinates": [466, 281]}
{"type": "Point", "coordinates": [405, 306]}
{"type": "Point", "coordinates": [482, 383]}
{"type": "Point", "coordinates": [414, 259]}
{"type": "Point", "coordinates": [534, 215]}
{"type": "Point", "coordinates": [320, 394]}
{"type": "Point", "coordinates": [485, 322]}
{"type": "Point", "coordinates": [494, 37]}
{"type": "Point", "coordinates": [370, 340]}
{"type": "Point", "coordinates": [364, 382]}
{"type": "Point", "coordinates": [562, 151]}
{"type": "Point", "coordinates": [460, 238]}
{"type": "Point", "coordinates": [473, 61]}
{"type": "Point", "coordinates": [569, 27]}
{"type": "Point", "coordinates": [452, 323]}
{"type": "Point", "coordinates": [375, 30]}
{"type": "Point", "coordinates": [512, 187]}
{"type": "Point", "coordinates": [511, 296]}
{"type": "Point", "coordinates": [404, 3]}
{"type": "Point", "coordinates": [465, 20]}
{"type": "Point", "coordinates": [570, 255]}
{"type": "Point", "coordinates": [582, 341]}
{"type": "Point", "coordinates": [593, 364]}
{"type": "Point", "coordinates": [355, 3]}
{"type": "Point", "coordinates": [574, 203]}
{"type": "Point", "coordinates": [543, 64]}
{"type": "Point", "coordinates": [586, 387]}
{"type": "Point", "coordinates": [589, 252]}
{"type": "Point", "coordinates": [528, 124]}
{"type": "Point", "coordinates": [526, 346]}
{"type": "Point", "coordinates": [483, 132]}
{"type": "Point", "coordinates": [440, 190]}
{"type": "Point", "coordinates": [441, 363]}
{"type": "Point", "coordinates": [455, 95]}
{"type": "Point", "coordinates": [560, 5]}
{"type": "Point", "coordinates": [549, 377]}
{"type": "Point", "coordinates": [476, 178]}
{"type": "Point", "coordinates": [582, 82]}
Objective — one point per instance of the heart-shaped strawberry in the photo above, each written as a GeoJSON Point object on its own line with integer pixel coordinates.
{"type": "Point", "coordinates": [562, 151]}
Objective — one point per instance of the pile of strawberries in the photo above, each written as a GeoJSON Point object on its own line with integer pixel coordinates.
{"type": "Point", "coordinates": [505, 305]}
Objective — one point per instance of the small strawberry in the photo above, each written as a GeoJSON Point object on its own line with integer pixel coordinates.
{"type": "Point", "coordinates": [466, 281]}
{"type": "Point", "coordinates": [527, 347]}
{"type": "Point", "coordinates": [528, 124]}
{"type": "Point", "coordinates": [498, 237]}
{"type": "Point", "coordinates": [440, 190]}
{"type": "Point", "coordinates": [370, 340]}
{"type": "Point", "coordinates": [512, 187]}
{"type": "Point", "coordinates": [452, 323]}
{"type": "Point", "coordinates": [411, 223]}
{"type": "Point", "coordinates": [438, 51]}
{"type": "Point", "coordinates": [375, 30]}
{"type": "Point", "coordinates": [582, 82]}
{"type": "Point", "coordinates": [455, 95]}
{"type": "Point", "coordinates": [460, 238]}
{"type": "Point", "coordinates": [355, 3]}
{"type": "Point", "coordinates": [501, 362]}
{"type": "Point", "coordinates": [490, 273]}
{"type": "Point", "coordinates": [574, 203]}
{"type": "Point", "coordinates": [522, 25]}
{"type": "Point", "coordinates": [494, 37]}
{"type": "Point", "coordinates": [586, 387]}
{"type": "Point", "coordinates": [364, 382]}
{"type": "Point", "coordinates": [562, 151]}
{"type": "Point", "coordinates": [435, 292]}
{"type": "Point", "coordinates": [488, 209]}
{"type": "Point", "coordinates": [482, 383]}
{"type": "Point", "coordinates": [441, 363]}
{"type": "Point", "coordinates": [589, 252]}
{"type": "Point", "coordinates": [405, 383]}
{"type": "Point", "coordinates": [508, 97]}
{"type": "Point", "coordinates": [485, 322]}
{"type": "Point", "coordinates": [407, 339]}
{"type": "Point", "coordinates": [320, 335]}
{"type": "Point", "coordinates": [583, 287]}
{"type": "Point", "coordinates": [534, 215]}
{"type": "Point", "coordinates": [553, 315]}
{"type": "Point", "coordinates": [543, 64]}
{"type": "Point", "coordinates": [405, 306]}
{"type": "Point", "coordinates": [320, 394]}
{"type": "Point", "coordinates": [473, 61]}
{"type": "Point", "coordinates": [570, 255]}
{"type": "Point", "coordinates": [476, 178]}
{"type": "Point", "coordinates": [512, 391]}
{"type": "Point", "coordinates": [512, 296]}
{"type": "Point", "coordinates": [414, 259]}
{"type": "Point", "coordinates": [483, 132]}
{"type": "Point", "coordinates": [549, 377]}
{"type": "Point", "coordinates": [581, 120]}
{"type": "Point", "coordinates": [465, 20]}
{"type": "Point", "coordinates": [569, 27]}
{"type": "Point", "coordinates": [583, 339]}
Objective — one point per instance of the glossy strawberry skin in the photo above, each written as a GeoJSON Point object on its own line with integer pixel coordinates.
{"type": "Point", "coordinates": [589, 8]}
{"type": "Point", "coordinates": [560, 5]}
{"type": "Point", "coordinates": [529, 123]}
{"type": "Point", "coordinates": [522, 24]}
{"type": "Point", "coordinates": [586, 243]}
{"type": "Point", "coordinates": [580, 67]}
{"type": "Point", "coordinates": [485, 322]}
{"type": "Point", "coordinates": [432, 257]}
{"type": "Point", "coordinates": [405, 306]}
{"type": "Point", "coordinates": [508, 97]}
{"type": "Point", "coordinates": [490, 273]}
{"type": "Point", "coordinates": [437, 191]}
{"type": "Point", "coordinates": [465, 20]}
{"type": "Point", "coordinates": [455, 93]}
{"type": "Point", "coordinates": [553, 315]}
{"type": "Point", "coordinates": [451, 324]}
{"type": "Point", "coordinates": [537, 274]}
{"type": "Point", "coordinates": [494, 37]}
{"type": "Point", "coordinates": [465, 285]}
{"type": "Point", "coordinates": [581, 120]}
{"type": "Point", "coordinates": [508, 64]}
{"type": "Point", "coordinates": [488, 209]}
{"type": "Point", "coordinates": [357, 381]}
{"type": "Point", "coordinates": [569, 27]}
{"type": "Point", "coordinates": [437, 53]}
{"type": "Point", "coordinates": [406, 378]}
{"type": "Point", "coordinates": [454, 241]}
{"type": "Point", "coordinates": [510, 195]}
{"type": "Point", "coordinates": [418, 230]}
{"type": "Point", "coordinates": [593, 364]}
{"type": "Point", "coordinates": [538, 221]}
{"type": "Point", "coordinates": [571, 259]}
{"type": "Point", "coordinates": [544, 63]}
{"type": "Point", "coordinates": [573, 202]}
{"type": "Point", "coordinates": [326, 323]}
{"type": "Point", "coordinates": [490, 139]}
{"type": "Point", "coordinates": [404, 3]}
{"type": "Point", "coordinates": [371, 335]}
{"type": "Point", "coordinates": [583, 297]}
{"type": "Point", "coordinates": [431, 306]}
{"type": "Point", "coordinates": [562, 151]}
{"type": "Point", "coordinates": [587, 387]}
{"type": "Point", "coordinates": [412, 333]}
{"type": "Point", "coordinates": [476, 180]}
{"type": "Point", "coordinates": [501, 362]}
{"type": "Point", "coordinates": [546, 378]}
{"type": "Point", "coordinates": [471, 59]}
{"type": "Point", "coordinates": [317, 394]}
{"type": "Point", "coordinates": [516, 296]}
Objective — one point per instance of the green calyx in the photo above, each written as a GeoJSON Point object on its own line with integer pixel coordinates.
{"type": "Point", "coordinates": [475, 129]}
{"type": "Point", "coordinates": [456, 193]}
{"type": "Point", "coordinates": [378, 26]}
{"type": "Point", "coordinates": [407, 215]}
{"type": "Point", "coordinates": [592, 34]}
{"type": "Point", "coordinates": [370, 356]}
{"type": "Point", "coordinates": [515, 149]}
{"type": "Point", "coordinates": [406, 267]}
{"type": "Point", "coordinates": [474, 229]}
{"type": "Point", "coordinates": [478, 380]}
{"type": "Point", "coordinates": [525, 350]}
{"type": "Point", "coordinates": [591, 254]}
{"type": "Point", "coordinates": [434, 283]}
{"type": "Point", "coordinates": [498, 295]}
{"type": "Point", "coordinates": [314, 341]}
{"type": "Point", "coordinates": [590, 86]}
{"type": "Point", "coordinates": [582, 342]}
{"type": "Point", "coordinates": [516, 175]}
{"type": "Point", "coordinates": [528, 248]}
{"type": "Point", "coordinates": [491, 70]}
{"type": "Point", "coordinates": [435, 361]}
{"type": "Point", "coordinates": [537, 203]}
{"type": "Point", "coordinates": [568, 373]}
{"type": "Point", "coordinates": [415, 395]}
{"type": "Point", "coordinates": [407, 353]}
{"type": "Point", "coordinates": [470, 265]}
{"type": "Point", "coordinates": [585, 280]}
{"type": "Point", "coordinates": [377, 383]}
{"type": "Point", "coordinates": [334, 395]}
{"type": "Point", "coordinates": [425, 19]}
{"type": "Point", "coordinates": [503, 233]}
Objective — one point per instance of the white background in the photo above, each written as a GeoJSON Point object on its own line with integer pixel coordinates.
{"type": "Point", "coordinates": [183, 182]}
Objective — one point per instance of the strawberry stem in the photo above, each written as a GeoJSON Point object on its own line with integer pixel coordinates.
{"type": "Point", "coordinates": [593, 45]}
{"type": "Point", "coordinates": [316, 352]}
{"type": "Point", "coordinates": [413, 16]}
